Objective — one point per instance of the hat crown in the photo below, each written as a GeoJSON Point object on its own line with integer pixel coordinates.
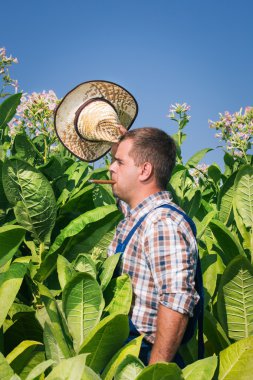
{"type": "Point", "coordinates": [87, 139]}
{"type": "Point", "coordinates": [98, 121]}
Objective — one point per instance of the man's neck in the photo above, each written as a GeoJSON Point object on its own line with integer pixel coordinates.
{"type": "Point", "coordinates": [139, 197]}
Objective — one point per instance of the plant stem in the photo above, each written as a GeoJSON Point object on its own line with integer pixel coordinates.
{"type": "Point", "coordinates": [45, 149]}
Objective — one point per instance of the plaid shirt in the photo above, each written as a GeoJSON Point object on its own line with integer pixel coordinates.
{"type": "Point", "coordinates": [161, 260]}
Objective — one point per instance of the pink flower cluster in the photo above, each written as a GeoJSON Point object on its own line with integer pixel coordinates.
{"type": "Point", "coordinates": [5, 63]}
{"type": "Point", "coordinates": [5, 59]}
{"type": "Point", "coordinates": [35, 115]}
{"type": "Point", "coordinates": [179, 109]}
{"type": "Point", "coordinates": [199, 173]}
{"type": "Point", "coordinates": [236, 130]}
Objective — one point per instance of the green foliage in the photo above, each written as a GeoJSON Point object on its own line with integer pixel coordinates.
{"type": "Point", "coordinates": [197, 157]}
{"type": "Point", "coordinates": [5, 369]}
{"type": "Point", "coordinates": [132, 348]}
{"type": "Point", "coordinates": [10, 282]}
{"type": "Point", "coordinates": [22, 355]}
{"type": "Point", "coordinates": [129, 368]}
{"type": "Point", "coordinates": [8, 109]}
{"type": "Point", "coordinates": [201, 369]}
{"type": "Point", "coordinates": [57, 324]}
{"type": "Point", "coordinates": [10, 239]}
{"type": "Point", "coordinates": [82, 296]}
{"type": "Point", "coordinates": [105, 340]}
{"type": "Point", "coordinates": [236, 360]}
{"type": "Point", "coordinates": [39, 369]}
{"type": "Point", "coordinates": [119, 289]}
{"type": "Point", "coordinates": [161, 371]}
{"type": "Point", "coordinates": [24, 149]}
{"type": "Point", "coordinates": [228, 243]}
{"type": "Point", "coordinates": [235, 299]}
{"type": "Point", "coordinates": [244, 195]}
{"type": "Point", "coordinates": [69, 369]}
{"type": "Point", "coordinates": [32, 197]}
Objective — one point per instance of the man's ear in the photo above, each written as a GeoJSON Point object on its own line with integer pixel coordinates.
{"type": "Point", "coordinates": [146, 171]}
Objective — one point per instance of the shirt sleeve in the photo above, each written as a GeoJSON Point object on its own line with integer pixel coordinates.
{"type": "Point", "coordinates": [172, 257]}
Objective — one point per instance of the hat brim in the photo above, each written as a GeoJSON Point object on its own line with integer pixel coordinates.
{"type": "Point", "coordinates": [123, 102]}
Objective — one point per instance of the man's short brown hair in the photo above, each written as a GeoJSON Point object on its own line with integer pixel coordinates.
{"type": "Point", "coordinates": [156, 147]}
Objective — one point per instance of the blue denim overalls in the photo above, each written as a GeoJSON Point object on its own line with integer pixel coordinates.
{"type": "Point", "coordinates": [146, 347]}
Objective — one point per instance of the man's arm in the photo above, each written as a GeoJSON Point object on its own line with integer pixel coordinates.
{"type": "Point", "coordinates": [171, 326]}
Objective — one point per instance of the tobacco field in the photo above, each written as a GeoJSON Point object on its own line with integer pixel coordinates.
{"type": "Point", "coordinates": [62, 315]}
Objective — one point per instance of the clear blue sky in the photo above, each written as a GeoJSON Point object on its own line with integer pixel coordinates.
{"type": "Point", "coordinates": [163, 51]}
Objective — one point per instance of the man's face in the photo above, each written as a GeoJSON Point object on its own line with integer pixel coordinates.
{"type": "Point", "coordinates": [124, 172]}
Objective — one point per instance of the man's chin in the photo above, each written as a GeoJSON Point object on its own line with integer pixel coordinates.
{"type": "Point", "coordinates": [115, 192]}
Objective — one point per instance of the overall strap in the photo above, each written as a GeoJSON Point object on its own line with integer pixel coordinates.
{"type": "Point", "coordinates": [122, 245]}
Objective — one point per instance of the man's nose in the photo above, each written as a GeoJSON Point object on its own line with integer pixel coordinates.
{"type": "Point", "coordinates": [112, 167]}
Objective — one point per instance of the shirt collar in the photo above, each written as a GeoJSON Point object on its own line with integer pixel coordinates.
{"type": "Point", "coordinates": [149, 203]}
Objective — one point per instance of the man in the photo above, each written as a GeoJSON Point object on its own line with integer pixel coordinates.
{"type": "Point", "coordinates": [161, 256]}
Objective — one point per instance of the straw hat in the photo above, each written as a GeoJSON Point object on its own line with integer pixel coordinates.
{"type": "Point", "coordinates": [86, 120]}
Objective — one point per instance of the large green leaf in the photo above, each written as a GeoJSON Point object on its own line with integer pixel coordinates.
{"type": "Point", "coordinates": [194, 160]}
{"type": "Point", "coordinates": [132, 348]}
{"type": "Point", "coordinates": [102, 195]}
{"type": "Point", "coordinates": [225, 199]}
{"type": "Point", "coordinates": [84, 263]}
{"type": "Point", "coordinates": [108, 268]}
{"type": "Point", "coordinates": [4, 204]}
{"type": "Point", "coordinates": [83, 304]}
{"type": "Point", "coordinates": [203, 225]}
{"type": "Point", "coordinates": [214, 173]}
{"type": "Point", "coordinates": [58, 325]}
{"type": "Point", "coordinates": [24, 327]}
{"type": "Point", "coordinates": [54, 168]}
{"type": "Point", "coordinates": [235, 299]}
{"type": "Point", "coordinates": [120, 288]}
{"type": "Point", "coordinates": [129, 368]}
{"type": "Point", "coordinates": [76, 205]}
{"type": "Point", "coordinates": [244, 194]}
{"type": "Point", "coordinates": [177, 179]}
{"type": "Point", "coordinates": [210, 272]}
{"type": "Point", "coordinates": [65, 271]}
{"type": "Point", "coordinates": [74, 176]}
{"type": "Point", "coordinates": [10, 239]}
{"type": "Point", "coordinates": [52, 348]}
{"type": "Point", "coordinates": [228, 243]}
{"type": "Point", "coordinates": [105, 240]}
{"type": "Point", "coordinates": [22, 354]}
{"type": "Point", "coordinates": [32, 196]}
{"type": "Point", "coordinates": [39, 369]}
{"type": "Point", "coordinates": [86, 230]}
{"type": "Point", "coordinates": [246, 233]}
{"type": "Point", "coordinates": [194, 204]}
{"type": "Point", "coordinates": [25, 150]}
{"type": "Point", "coordinates": [89, 374]}
{"type": "Point", "coordinates": [104, 341]}
{"type": "Point", "coordinates": [69, 369]}
{"type": "Point", "coordinates": [34, 359]}
{"type": "Point", "coordinates": [217, 339]}
{"type": "Point", "coordinates": [5, 369]}
{"type": "Point", "coordinates": [10, 283]}
{"type": "Point", "coordinates": [8, 109]}
{"type": "Point", "coordinates": [202, 369]}
{"type": "Point", "coordinates": [161, 371]}
{"type": "Point", "coordinates": [78, 225]}
{"type": "Point", "coordinates": [236, 361]}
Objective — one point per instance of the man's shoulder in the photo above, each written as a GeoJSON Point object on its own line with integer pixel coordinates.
{"type": "Point", "coordinates": [166, 214]}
